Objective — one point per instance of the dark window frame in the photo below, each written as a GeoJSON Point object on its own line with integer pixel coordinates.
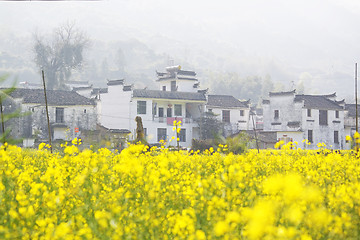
{"type": "Point", "coordinates": [161, 112]}
{"type": "Point", "coordinates": [182, 135]}
{"type": "Point", "coordinates": [173, 86]}
{"type": "Point", "coordinates": [310, 136]}
{"type": "Point", "coordinates": [276, 114]}
{"type": "Point", "coordinates": [336, 137]}
{"type": "Point", "coordinates": [59, 115]}
{"type": "Point", "coordinates": [141, 107]}
{"type": "Point", "coordinates": [226, 116]}
{"type": "Point", "coordinates": [336, 113]}
{"type": "Point", "coordinates": [161, 134]}
{"type": "Point", "coordinates": [309, 112]}
{"type": "Point", "coordinates": [323, 117]}
{"type": "Point", "coordinates": [177, 110]}
{"type": "Point", "coordinates": [169, 112]}
{"type": "Point", "coordinates": [242, 113]}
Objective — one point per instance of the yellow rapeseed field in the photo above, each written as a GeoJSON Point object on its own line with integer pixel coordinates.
{"type": "Point", "coordinates": [144, 193]}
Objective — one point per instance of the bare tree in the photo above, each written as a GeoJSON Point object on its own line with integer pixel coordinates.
{"type": "Point", "coordinates": [60, 54]}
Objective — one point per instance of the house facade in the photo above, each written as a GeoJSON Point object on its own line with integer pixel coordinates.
{"type": "Point", "coordinates": [178, 99]}
{"type": "Point", "coordinates": [70, 114]}
{"type": "Point", "coordinates": [317, 118]}
{"type": "Point", "coordinates": [233, 113]}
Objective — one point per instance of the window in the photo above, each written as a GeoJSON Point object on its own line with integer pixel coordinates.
{"type": "Point", "coordinates": [84, 110]}
{"type": "Point", "coordinates": [145, 132]}
{"type": "Point", "coordinates": [59, 115]}
{"type": "Point", "coordinates": [226, 116]}
{"type": "Point", "coordinates": [178, 110]}
{"type": "Point", "coordinates": [336, 114]}
{"type": "Point", "coordinates": [210, 110]}
{"type": "Point", "coordinates": [173, 86]}
{"type": "Point", "coordinates": [154, 109]}
{"type": "Point", "coordinates": [309, 112]}
{"type": "Point", "coordinates": [164, 88]}
{"type": "Point", "coordinates": [161, 134]}
{"type": "Point", "coordinates": [169, 112]}
{"type": "Point", "coordinates": [161, 112]}
{"type": "Point", "coordinates": [241, 113]}
{"type": "Point", "coordinates": [336, 136]}
{"type": "Point", "coordinates": [310, 136]}
{"type": "Point", "coordinates": [182, 135]}
{"type": "Point", "coordinates": [141, 107]}
{"type": "Point", "coordinates": [323, 118]}
{"type": "Point", "coordinates": [276, 114]}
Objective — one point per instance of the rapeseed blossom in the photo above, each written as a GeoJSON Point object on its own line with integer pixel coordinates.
{"type": "Point", "coordinates": [154, 193]}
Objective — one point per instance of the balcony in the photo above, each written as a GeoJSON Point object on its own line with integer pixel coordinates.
{"type": "Point", "coordinates": [170, 120]}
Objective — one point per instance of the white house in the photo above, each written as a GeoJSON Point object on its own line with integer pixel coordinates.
{"type": "Point", "coordinates": [69, 113]}
{"type": "Point", "coordinates": [178, 99]}
{"type": "Point", "coordinates": [317, 118]}
{"type": "Point", "coordinates": [350, 121]}
{"type": "Point", "coordinates": [232, 112]}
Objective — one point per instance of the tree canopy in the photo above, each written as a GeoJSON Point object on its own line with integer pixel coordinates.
{"type": "Point", "coordinates": [60, 54]}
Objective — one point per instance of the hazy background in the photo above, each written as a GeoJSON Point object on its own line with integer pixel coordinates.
{"type": "Point", "coordinates": [243, 48]}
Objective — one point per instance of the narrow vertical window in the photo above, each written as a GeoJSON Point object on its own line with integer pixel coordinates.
{"type": "Point", "coordinates": [59, 115]}
{"type": "Point", "coordinates": [173, 86]}
{"type": "Point", "coordinates": [182, 135]}
{"type": "Point", "coordinates": [336, 136]}
{"type": "Point", "coordinates": [226, 116]}
{"type": "Point", "coordinates": [178, 110]}
{"type": "Point", "coordinates": [309, 112]}
{"type": "Point", "coordinates": [169, 112]}
{"type": "Point", "coordinates": [310, 136]}
{"type": "Point", "coordinates": [336, 114]}
{"type": "Point", "coordinates": [276, 114]}
{"type": "Point", "coordinates": [161, 112]}
{"type": "Point", "coordinates": [323, 117]}
{"type": "Point", "coordinates": [241, 113]}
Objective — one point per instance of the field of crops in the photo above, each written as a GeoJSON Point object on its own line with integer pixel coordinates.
{"type": "Point", "coordinates": [160, 194]}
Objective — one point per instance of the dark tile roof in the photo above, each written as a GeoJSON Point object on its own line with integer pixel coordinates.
{"type": "Point", "coordinates": [190, 73]}
{"type": "Point", "coordinates": [318, 102]}
{"type": "Point", "coordinates": [54, 97]}
{"type": "Point", "coordinates": [115, 82]}
{"type": "Point", "coordinates": [144, 93]}
{"type": "Point", "coordinates": [282, 93]}
{"type": "Point", "coordinates": [226, 101]}
{"type": "Point", "coordinates": [99, 90]}
{"type": "Point", "coordinates": [81, 88]}
{"type": "Point", "coordinates": [351, 109]}
{"type": "Point", "coordinates": [127, 88]}
{"type": "Point", "coordinates": [265, 101]}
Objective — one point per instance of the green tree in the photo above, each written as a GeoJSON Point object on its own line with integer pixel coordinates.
{"type": "Point", "coordinates": [209, 126]}
{"type": "Point", "coordinates": [61, 54]}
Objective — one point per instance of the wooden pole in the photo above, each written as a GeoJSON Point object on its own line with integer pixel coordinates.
{"type": "Point", "coordinates": [356, 110]}
{"type": "Point", "coordinates": [2, 120]}
{"type": "Point", "coordinates": [254, 126]}
{"type": "Point", "coordinates": [47, 111]}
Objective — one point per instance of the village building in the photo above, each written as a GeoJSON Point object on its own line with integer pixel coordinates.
{"type": "Point", "coordinates": [70, 114]}
{"type": "Point", "coordinates": [178, 98]}
{"type": "Point", "coordinates": [233, 113]}
{"type": "Point", "coordinates": [316, 118]}
{"type": "Point", "coordinates": [350, 121]}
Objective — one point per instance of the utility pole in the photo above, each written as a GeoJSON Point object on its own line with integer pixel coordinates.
{"type": "Point", "coordinates": [47, 111]}
{"type": "Point", "coordinates": [254, 126]}
{"type": "Point", "coordinates": [356, 110]}
{"type": "Point", "coordinates": [356, 100]}
{"type": "Point", "coordinates": [2, 120]}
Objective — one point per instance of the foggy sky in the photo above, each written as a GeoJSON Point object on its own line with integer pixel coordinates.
{"type": "Point", "coordinates": [295, 36]}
